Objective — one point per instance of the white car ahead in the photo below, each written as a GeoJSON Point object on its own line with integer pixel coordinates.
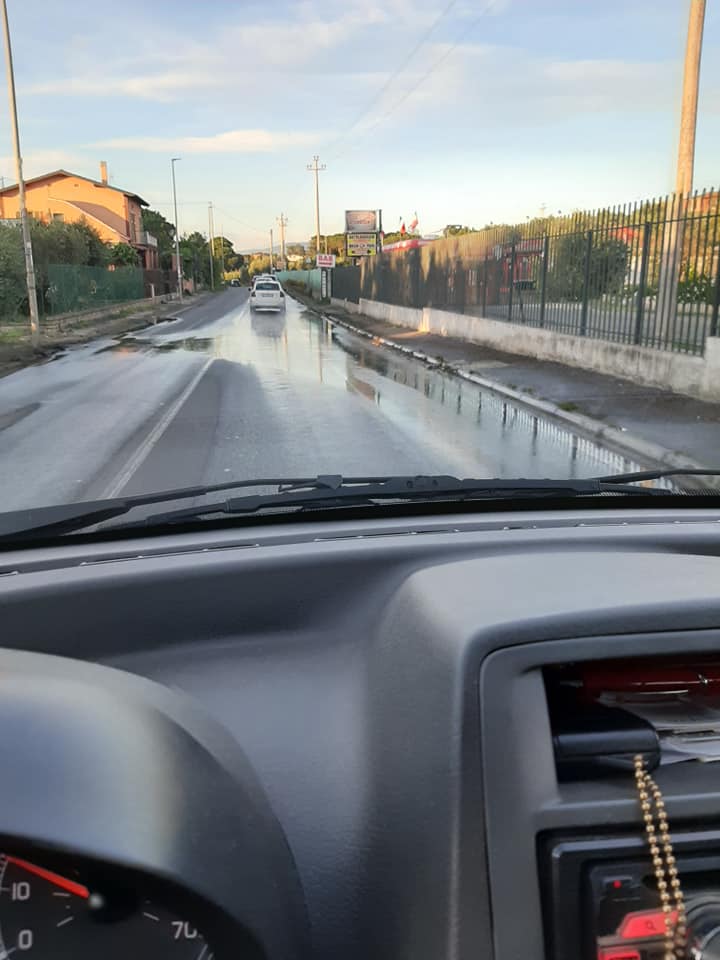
{"type": "Point", "coordinates": [267, 295]}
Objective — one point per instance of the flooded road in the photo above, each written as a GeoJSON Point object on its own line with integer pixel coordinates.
{"type": "Point", "coordinates": [225, 394]}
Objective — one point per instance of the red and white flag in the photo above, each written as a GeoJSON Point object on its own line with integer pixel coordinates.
{"type": "Point", "coordinates": [403, 231]}
{"type": "Point", "coordinates": [413, 223]}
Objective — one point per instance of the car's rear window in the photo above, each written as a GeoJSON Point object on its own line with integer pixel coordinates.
{"type": "Point", "coordinates": [267, 285]}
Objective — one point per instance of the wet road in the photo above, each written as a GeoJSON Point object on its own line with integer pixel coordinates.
{"type": "Point", "coordinates": [222, 393]}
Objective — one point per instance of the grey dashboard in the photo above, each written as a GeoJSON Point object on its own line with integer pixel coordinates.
{"type": "Point", "coordinates": [382, 685]}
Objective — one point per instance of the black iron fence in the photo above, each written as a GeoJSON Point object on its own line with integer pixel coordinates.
{"type": "Point", "coordinates": [646, 273]}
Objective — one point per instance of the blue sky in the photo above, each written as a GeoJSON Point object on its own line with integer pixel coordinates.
{"type": "Point", "coordinates": [468, 111]}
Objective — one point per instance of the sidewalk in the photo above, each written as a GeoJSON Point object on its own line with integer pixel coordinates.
{"type": "Point", "coordinates": [654, 426]}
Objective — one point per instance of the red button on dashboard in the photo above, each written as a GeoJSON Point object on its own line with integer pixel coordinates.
{"type": "Point", "coordinates": [645, 923]}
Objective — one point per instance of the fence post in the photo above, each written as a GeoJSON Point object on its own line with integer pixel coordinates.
{"type": "Point", "coordinates": [716, 301]}
{"type": "Point", "coordinates": [642, 283]}
{"type": "Point", "coordinates": [485, 283]}
{"type": "Point", "coordinates": [511, 280]}
{"type": "Point", "coordinates": [586, 285]}
{"type": "Point", "coordinates": [543, 278]}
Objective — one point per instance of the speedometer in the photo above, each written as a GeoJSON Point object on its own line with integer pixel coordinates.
{"type": "Point", "coordinates": [46, 915]}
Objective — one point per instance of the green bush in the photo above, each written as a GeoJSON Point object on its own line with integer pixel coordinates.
{"type": "Point", "coordinates": [696, 288]}
{"type": "Point", "coordinates": [566, 275]}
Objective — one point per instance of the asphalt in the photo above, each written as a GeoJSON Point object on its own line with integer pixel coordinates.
{"type": "Point", "coordinates": [686, 428]}
{"type": "Point", "coordinates": [225, 394]}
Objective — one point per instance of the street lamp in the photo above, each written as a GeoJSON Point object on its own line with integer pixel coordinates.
{"type": "Point", "coordinates": [178, 262]}
{"type": "Point", "coordinates": [25, 226]}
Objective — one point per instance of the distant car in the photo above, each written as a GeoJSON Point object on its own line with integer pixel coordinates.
{"type": "Point", "coordinates": [267, 294]}
{"type": "Point", "coordinates": [235, 282]}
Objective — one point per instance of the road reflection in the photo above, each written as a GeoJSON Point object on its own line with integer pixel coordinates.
{"type": "Point", "coordinates": [472, 430]}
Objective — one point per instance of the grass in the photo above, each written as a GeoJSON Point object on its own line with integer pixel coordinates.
{"type": "Point", "coordinates": [568, 406]}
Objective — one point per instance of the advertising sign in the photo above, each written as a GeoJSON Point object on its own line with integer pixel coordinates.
{"type": "Point", "coordinates": [360, 221]}
{"type": "Point", "coordinates": [325, 260]}
{"type": "Point", "coordinates": [361, 244]}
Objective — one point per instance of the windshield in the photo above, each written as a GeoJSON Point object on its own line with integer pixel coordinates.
{"type": "Point", "coordinates": [491, 233]}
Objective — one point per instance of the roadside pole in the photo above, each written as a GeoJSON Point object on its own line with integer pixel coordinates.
{"type": "Point", "coordinates": [178, 262]}
{"type": "Point", "coordinates": [210, 244]}
{"type": "Point", "coordinates": [282, 220]}
{"type": "Point", "coordinates": [222, 251]}
{"type": "Point", "coordinates": [671, 259]}
{"type": "Point", "coordinates": [316, 168]}
{"type": "Point", "coordinates": [24, 223]}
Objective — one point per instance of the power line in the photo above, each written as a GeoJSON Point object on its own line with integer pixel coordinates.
{"type": "Point", "coordinates": [431, 69]}
{"type": "Point", "coordinates": [396, 73]}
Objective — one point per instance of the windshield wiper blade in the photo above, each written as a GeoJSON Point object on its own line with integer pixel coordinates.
{"type": "Point", "coordinates": [67, 517]}
{"type": "Point", "coordinates": [421, 488]}
{"type": "Point", "coordinates": [296, 493]}
{"type": "Point", "coordinates": [641, 475]}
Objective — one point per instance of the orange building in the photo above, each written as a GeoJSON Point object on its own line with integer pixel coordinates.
{"type": "Point", "coordinates": [116, 214]}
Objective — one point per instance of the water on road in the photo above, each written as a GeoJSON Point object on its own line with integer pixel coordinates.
{"type": "Point", "coordinates": [223, 393]}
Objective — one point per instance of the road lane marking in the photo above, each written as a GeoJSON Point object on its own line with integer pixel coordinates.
{"type": "Point", "coordinates": [143, 451]}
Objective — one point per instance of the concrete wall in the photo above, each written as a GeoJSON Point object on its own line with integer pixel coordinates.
{"type": "Point", "coordinates": [678, 372]}
{"type": "Point", "coordinates": [345, 304]}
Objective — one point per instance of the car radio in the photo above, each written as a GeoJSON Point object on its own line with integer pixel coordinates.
{"type": "Point", "coordinates": [601, 900]}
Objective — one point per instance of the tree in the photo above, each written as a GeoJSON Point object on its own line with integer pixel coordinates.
{"type": "Point", "coordinates": [606, 270]}
{"type": "Point", "coordinates": [260, 263]}
{"type": "Point", "coordinates": [164, 232]}
{"type": "Point", "coordinates": [296, 249]}
{"type": "Point", "coordinates": [195, 254]}
{"type": "Point", "coordinates": [456, 230]}
{"type": "Point", "coordinates": [13, 292]}
{"type": "Point", "coordinates": [123, 255]}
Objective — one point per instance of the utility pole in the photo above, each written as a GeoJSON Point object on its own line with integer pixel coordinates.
{"type": "Point", "coordinates": [316, 168]}
{"type": "Point", "coordinates": [178, 262]}
{"type": "Point", "coordinates": [211, 231]}
{"type": "Point", "coordinates": [222, 251]}
{"type": "Point", "coordinates": [25, 225]}
{"type": "Point", "coordinates": [691, 83]}
{"type": "Point", "coordinates": [282, 220]}
{"type": "Point", "coordinates": [674, 233]}
{"type": "Point", "coordinates": [271, 250]}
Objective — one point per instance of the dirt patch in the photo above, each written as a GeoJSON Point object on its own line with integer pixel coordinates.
{"type": "Point", "coordinates": [16, 351]}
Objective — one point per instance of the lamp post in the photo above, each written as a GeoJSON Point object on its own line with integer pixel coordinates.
{"type": "Point", "coordinates": [25, 225]}
{"type": "Point", "coordinates": [178, 262]}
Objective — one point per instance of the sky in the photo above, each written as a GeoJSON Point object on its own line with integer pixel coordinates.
{"type": "Point", "coordinates": [464, 111]}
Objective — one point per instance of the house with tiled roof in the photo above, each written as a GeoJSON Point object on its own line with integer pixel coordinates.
{"type": "Point", "coordinates": [115, 213]}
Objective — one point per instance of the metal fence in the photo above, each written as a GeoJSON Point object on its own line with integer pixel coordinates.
{"type": "Point", "coordinates": [72, 287]}
{"type": "Point", "coordinates": [646, 273]}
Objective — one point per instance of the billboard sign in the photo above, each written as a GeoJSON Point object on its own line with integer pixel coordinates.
{"type": "Point", "coordinates": [361, 244]}
{"type": "Point", "coordinates": [360, 221]}
{"type": "Point", "coordinates": [325, 260]}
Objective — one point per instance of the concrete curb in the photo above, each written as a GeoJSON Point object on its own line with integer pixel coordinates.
{"type": "Point", "coordinates": [622, 442]}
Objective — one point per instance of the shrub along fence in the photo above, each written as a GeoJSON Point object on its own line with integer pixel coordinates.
{"type": "Point", "coordinates": [646, 273]}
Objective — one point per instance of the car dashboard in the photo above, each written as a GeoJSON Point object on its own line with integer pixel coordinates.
{"type": "Point", "coordinates": [337, 739]}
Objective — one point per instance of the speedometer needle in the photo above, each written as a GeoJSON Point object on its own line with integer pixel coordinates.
{"type": "Point", "coordinates": [70, 885]}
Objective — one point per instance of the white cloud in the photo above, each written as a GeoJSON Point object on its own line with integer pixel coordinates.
{"type": "Point", "coordinates": [231, 141]}
{"type": "Point", "coordinates": [37, 162]}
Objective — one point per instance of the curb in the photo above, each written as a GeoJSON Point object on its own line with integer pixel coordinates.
{"type": "Point", "coordinates": [627, 444]}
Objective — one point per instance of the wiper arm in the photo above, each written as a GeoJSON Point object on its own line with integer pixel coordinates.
{"type": "Point", "coordinates": [67, 517]}
{"type": "Point", "coordinates": [352, 493]}
{"type": "Point", "coordinates": [641, 475]}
